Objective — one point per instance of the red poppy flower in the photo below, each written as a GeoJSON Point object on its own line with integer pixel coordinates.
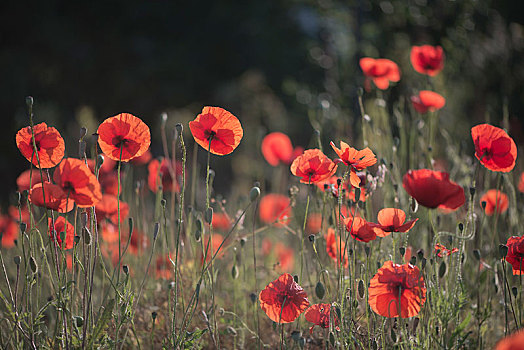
{"type": "Point", "coordinates": [275, 209]}
{"type": "Point", "coordinates": [26, 180]}
{"type": "Point", "coordinates": [441, 250]}
{"type": "Point", "coordinates": [495, 201]}
{"type": "Point", "coordinates": [59, 227]}
{"type": "Point", "coordinates": [335, 248]}
{"type": "Point", "coordinates": [216, 242]}
{"type": "Point", "coordinates": [392, 280]}
{"type": "Point", "coordinates": [433, 189]}
{"type": "Point", "coordinates": [427, 59]}
{"type": "Point", "coordinates": [515, 254]}
{"type": "Point", "coordinates": [319, 315]}
{"type": "Point", "coordinates": [75, 178]}
{"type": "Point", "coordinates": [106, 167]}
{"type": "Point", "coordinates": [360, 229]}
{"type": "Point", "coordinates": [109, 182]}
{"type": "Point", "coordinates": [513, 341]}
{"type": "Point", "coordinates": [283, 300]}
{"type": "Point", "coordinates": [521, 183]}
{"type": "Point", "coordinates": [355, 159]}
{"type": "Point", "coordinates": [392, 220]}
{"type": "Point", "coordinates": [123, 137]}
{"type": "Point", "coordinates": [277, 147]}
{"type": "Point", "coordinates": [314, 223]}
{"type": "Point", "coordinates": [381, 71]}
{"type": "Point", "coordinates": [494, 148]}
{"type": "Point", "coordinates": [164, 268]}
{"type": "Point", "coordinates": [162, 171]}
{"type": "Point", "coordinates": [50, 145]}
{"type": "Point", "coordinates": [221, 222]}
{"type": "Point", "coordinates": [107, 208]}
{"type": "Point", "coordinates": [108, 232]}
{"type": "Point", "coordinates": [217, 124]}
{"type": "Point", "coordinates": [285, 257]}
{"type": "Point", "coordinates": [427, 101]}
{"type": "Point", "coordinates": [55, 197]}
{"type": "Point", "coordinates": [313, 166]}
{"type": "Point", "coordinates": [9, 229]}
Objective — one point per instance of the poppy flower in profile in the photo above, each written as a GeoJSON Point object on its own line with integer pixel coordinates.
{"type": "Point", "coordinates": [356, 160]}
{"type": "Point", "coordinates": [381, 71]}
{"type": "Point", "coordinates": [427, 59]}
{"type": "Point", "coordinates": [50, 145]}
{"type": "Point", "coordinates": [427, 101]}
{"type": "Point", "coordinates": [496, 201]}
{"type": "Point", "coordinates": [513, 341]}
{"type": "Point", "coordinates": [221, 222]}
{"type": "Point", "coordinates": [218, 125]}
{"type": "Point", "coordinates": [60, 230]}
{"type": "Point", "coordinates": [277, 148]}
{"type": "Point", "coordinates": [360, 229]}
{"type": "Point", "coordinates": [275, 209]}
{"type": "Point", "coordinates": [392, 280]}
{"type": "Point", "coordinates": [494, 148]}
{"type": "Point", "coordinates": [55, 197]}
{"type": "Point", "coordinates": [319, 315]}
{"type": "Point", "coordinates": [335, 248]}
{"type": "Point", "coordinates": [9, 231]}
{"type": "Point", "coordinates": [313, 166]}
{"type": "Point", "coordinates": [26, 180]}
{"type": "Point", "coordinates": [160, 174]}
{"type": "Point", "coordinates": [433, 189]}
{"type": "Point", "coordinates": [123, 137]}
{"type": "Point", "coordinates": [164, 268]}
{"type": "Point", "coordinates": [515, 254]}
{"type": "Point", "coordinates": [75, 179]}
{"type": "Point", "coordinates": [441, 250]}
{"type": "Point", "coordinates": [107, 208]}
{"type": "Point", "coordinates": [392, 220]}
{"type": "Point", "coordinates": [285, 257]}
{"type": "Point", "coordinates": [283, 300]}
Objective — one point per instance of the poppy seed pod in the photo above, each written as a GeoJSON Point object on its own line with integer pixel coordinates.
{"type": "Point", "coordinates": [29, 101]}
{"type": "Point", "coordinates": [33, 265]}
{"type": "Point", "coordinates": [17, 259]}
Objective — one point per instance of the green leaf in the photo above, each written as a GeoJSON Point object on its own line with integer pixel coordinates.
{"type": "Point", "coordinates": [102, 322]}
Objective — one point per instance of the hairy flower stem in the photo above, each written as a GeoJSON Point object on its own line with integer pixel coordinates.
{"type": "Point", "coordinates": [255, 271]}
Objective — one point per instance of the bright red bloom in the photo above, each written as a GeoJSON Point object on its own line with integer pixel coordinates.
{"type": "Point", "coordinates": [433, 189]}
{"type": "Point", "coordinates": [390, 282]}
{"type": "Point", "coordinates": [277, 147]}
{"type": "Point", "coordinates": [217, 124]}
{"type": "Point", "coordinates": [283, 300]}
{"type": "Point", "coordinates": [55, 197]}
{"type": "Point", "coordinates": [515, 254]}
{"type": "Point", "coordinates": [9, 229]}
{"type": "Point", "coordinates": [494, 148]}
{"type": "Point", "coordinates": [360, 229]}
{"type": "Point", "coordinates": [392, 220]}
{"type": "Point", "coordinates": [285, 257]}
{"type": "Point", "coordinates": [59, 227]}
{"type": "Point", "coordinates": [427, 101]}
{"type": "Point", "coordinates": [427, 59]}
{"type": "Point", "coordinates": [164, 268]}
{"type": "Point", "coordinates": [123, 137]}
{"type": "Point", "coordinates": [355, 159]}
{"type": "Point", "coordinates": [335, 248]}
{"type": "Point", "coordinates": [107, 208]}
{"type": "Point", "coordinates": [514, 341]}
{"type": "Point", "coordinates": [381, 71]}
{"type": "Point", "coordinates": [161, 171]}
{"type": "Point", "coordinates": [319, 315]}
{"type": "Point", "coordinates": [441, 250]}
{"type": "Point", "coordinates": [496, 201]}
{"type": "Point", "coordinates": [275, 209]}
{"type": "Point", "coordinates": [313, 166]}
{"type": "Point", "coordinates": [50, 145]}
{"type": "Point", "coordinates": [75, 179]}
{"type": "Point", "coordinates": [221, 222]}
{"type": "Point", "coordinates": [24, 180]}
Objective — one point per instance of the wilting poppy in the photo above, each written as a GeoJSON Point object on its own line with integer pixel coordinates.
{"type": "Point", "coordinates": [427, 59]}
{"type": "Point", "coordinates": [161, 172]}
{"type": "Point", "coordinates": [107, 208]}
{"type": "Point", "coordinates": [216, 242]}
{"type": "Point", "coordinates": [221, 222]}
{"type": "Point", "coordinates": [218, 125]}
{"type": "Point", "coordinates": [381, 71]}
{"type": "Point", "coordinates": [75, 179]}
{"type": "Point", "coordinates": [433, 189]}
{"type": "Point", "coordinates": [26, 180]}
{"type": "Point", "coordinates": [50, 145]}
{"type": "Point", "coordinates": [392, 220]}
{"type": "Point", "coordinates": [277, 148]}
{"type": "Point", "coordinates": [313, 166]}
{"type": "Point", "coordinates": [494, 148]}
{"type": "Point", "coordinates": [9, 231]}
{"type": "Point", "coordinates": [355, 159]}
{"type": "Point", "coordinates": [164, 268]}
{"type": "Point", "coordinates": [275, 209]}
{"type": "Point", "coordinates": [123, 137]}
{"type": "Point", "coordinates": [319, 315]}
{"type": "Point", "coordinates": [285, 257]}
{"type": "Point", "coordinates": [515, 254]}
{"type": "Point", "coordinates": [441, 250]}
{"type": "Point", "coordinates": [360, 229]}
{"type": "Point", "coordinates": [521, 182]}
{"type": "Point", "coordinates": [496, 201]}
{"type": "Point", "coordinates": [394, 280]}
{"type": "Point", "coordinates": [61, 230]}
{"type": "Point", "coordinates": [55, 197]}
{"type": "Point", "coordinates": [335, 248]}
{"type": "Point", "coordinates": [283, 300]}
{"type": "Point", "coordinates": [514, 341]}
{"type": "Point", "coordinates": [427, 101]}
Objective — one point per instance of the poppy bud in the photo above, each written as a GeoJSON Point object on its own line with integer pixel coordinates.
{"type": "Point", "coordinates": [503, 250]}
{"type": "Point", "coordinates": [295, 278]}
{"type": "Point", "coordinates": [83, 219]}
{"type": "Point", "coordinates": [320, 290]}
{"type": "Point", "coordinates": [253, 297]}
{"type": "Point", "coordinates": [171, 285]}
{"type": "Point", "coordinates": [423, 263]}
{"type": "Point", "coordinates": [311, 238]}
{"type": "Point", "coordinates": [29, 101]}
{"type": "Point", "coordinates": [17, 259]}
{"type": "Point", "coordinates": [515, 291]}
{"type": "Point", "coordinates": [231, 331]}
{"type": "Point", "coordinates": [130, 224]}
{"type": "Point", "coordinates": [360, 91]}
{"type": "Point", "coordinates": [367, 250]}
{"type": "Point", "coordinates": [153, 315]}
{"type": "Point", "coordinates": [79, 321]}
{"type": "Point", "coordinates": [125, 268]}
{"type": "Point", "coordinates": [234, 272]}
{"type": "Point", "coordinates": [156, 229]}
{"type": "Point", "coordinates": [100, 160]}
{"type": "Point", "coordinates": [23, 227]}
{"type": "Point", "coordinates": [413, 260]}
{"type": "Point", "coordinates": [420, 253]}
{"type": "Point", "coordinates": [163, 203]}
{"type": "Point", "coordinates": [414, 205]}
{"type": "Point", "coordinates": [76, 239]}
{"type": "Point", "coordinates": [361, 289]}
{"type": "Point", "coordinates": [472, 191]}
{"type": "Point", "coordinates": [442, 269]}
{"type": "Point", "coordinates": [209, 215]}
{"type": "Point", "coordinates": [62, 236]}
{"type": "Point", "coordinates": [179, 128]}
{"type": "Point", "coordinates": [402, 251]}
{"type": "Point", "coordinates": [461, 227]}
{"type": "Point", "coordinates": [476, 254]}
{"type": "Point", "coordinates": [254, 193]}
{"type": "Point", "coordinates": [332, 339]}
{"type": "Point", "coordinates": [87, 235]}
{"type": "Point", "coordinates": [483, 205]}
{"type": "Point", "coordinates": [33, 265]}
{"type": "Point", "coordinates": [163, 116]}
{"type": "Point", "coordinates": [243, 242]}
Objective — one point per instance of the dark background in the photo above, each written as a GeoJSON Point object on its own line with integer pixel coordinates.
{"type": "Point", "coordinates": [272, 63]}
